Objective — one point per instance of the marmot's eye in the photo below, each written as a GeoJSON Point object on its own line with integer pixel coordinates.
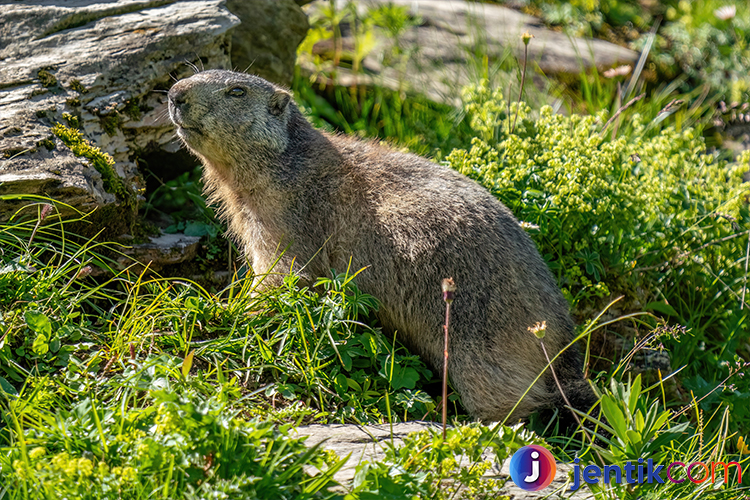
{"type": "Point", "coordinates": [237, 92]}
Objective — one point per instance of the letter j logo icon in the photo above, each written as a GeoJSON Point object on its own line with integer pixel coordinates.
{"type": "Point", "coordinates": [532, 468]}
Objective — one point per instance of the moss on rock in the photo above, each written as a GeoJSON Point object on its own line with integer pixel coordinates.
{"type": "Point", "coordinates": [102, 162]}
{"type": "Point", "coordinates": [46, 78]}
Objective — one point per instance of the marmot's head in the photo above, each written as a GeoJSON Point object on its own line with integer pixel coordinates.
{"type": "Point", "coordinates": [224, 116]}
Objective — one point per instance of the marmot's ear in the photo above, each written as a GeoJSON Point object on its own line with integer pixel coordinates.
{"type": "Point", "coordinates": [279, 101]}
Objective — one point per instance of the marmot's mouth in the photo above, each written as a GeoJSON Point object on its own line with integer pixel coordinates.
{"type": "Point", "coordinates": [181, 129]}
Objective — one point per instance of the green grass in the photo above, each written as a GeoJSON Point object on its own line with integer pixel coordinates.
{"type": "Point", "coordinates": [149, 429]}
{"type": "Point", "coordinates": [293, 343]}
{"type": "Point", "coordinates": [153, 386]}
{"type": "Point", "coordinates": [126, 386]}
{"type": "Point", "coordinates": [416, 123]}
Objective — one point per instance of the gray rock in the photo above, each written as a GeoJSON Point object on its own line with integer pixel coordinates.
{"type": "Point", "coordinates": [58, 174]}
{"type": "Point", "coordinates": [265, 44]}
{"type": "Point", "coordinates": [445, 44]}
{"type": "Point", "coordinates": [104, 63]}
{"type": "Point", "coordinates": [109, 64]}
{"type": "Point", "coordinates": [166, 249]}
{"type": "Point", "coordinates": [367, 443]}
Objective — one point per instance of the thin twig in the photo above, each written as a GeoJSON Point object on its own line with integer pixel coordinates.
{"type": "Point", "coordinates": [622, 108]}
{"type": "Point", "coordinates": [449, 289]}
{"type": "Point", "coordinates": [526, 37]}
{"type": "Point", "coordinates": [554, 375]}
{"type": "Point", "coordinates": [445, 369]}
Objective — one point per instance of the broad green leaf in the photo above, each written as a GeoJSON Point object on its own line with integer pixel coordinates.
{"type": "Point", "coordinates": [340, 384]}
{"type": "Point", "coordinates": [615, 417]}
{"type": "Point", "coordinates": [287, 390]}
{"type": "Point", "coordinates": [354, 385]}
{"type": "Point", "coordinates": [197, 229]}
{"type": "Point", "coordinates": [404, 377]}
{"type": "Point", "coordinates": [38, 322]}
{"type": "Point", "coordinates": [635, 393]}
{"type": "Point", "coordinates": [346, 360]}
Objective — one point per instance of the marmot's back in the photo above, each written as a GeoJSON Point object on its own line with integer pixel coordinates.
{"type": "Point", "coordinates": [427, 222]}
{"type": "Point", "coordinates": [411, 222]}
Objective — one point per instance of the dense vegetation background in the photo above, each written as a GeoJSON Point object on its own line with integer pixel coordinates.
{"type": "Point", "coordinates": [128, 385]}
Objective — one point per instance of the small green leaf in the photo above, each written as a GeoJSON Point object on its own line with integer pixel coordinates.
{"type": "Point", "coordinates": [640, 423]}
{"type": "Point", "coordinates": [288, 391]}
{"type": "Point", "coordinates": [187, 363]}
{"type": "Point", "coordinates": [663, 417]}
{"type": "Point", "coordinates": [7, 388]}
{"type": "Point", "coordinates": [635, 393]}
{"type": "Point", "coordinates": [662, 307]}
{"type": "Point", "coordinates": [634, 438]}
{"type": "Point", "coordinates": [197, 229]}
{"type": "Point", "coordinates": [38, 322]}
{"type": "Point", "coordinates": [193, 303]}
{"type": "Point", "coordinates": [70, 333]}
{"type": "Point", "coordinates": [371, 344]}
{"type": "Point", "coordinates": [615, 417]}
{"type": "Point", "coordinates": [54, 345]}
{"type": "Point", "coordinates": [40, 345]}
{"type": "Point", "coordinates": [404, 377]}
{"type": "Point", "coordinates": [346, 360]}
{"type": "Point", "coordinates": [265, 352]}
{"type": "Point", "coordinates": [340, 384]}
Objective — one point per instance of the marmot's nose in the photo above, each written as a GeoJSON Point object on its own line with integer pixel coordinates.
{"type": "Point", "coordinates": [177, 95]}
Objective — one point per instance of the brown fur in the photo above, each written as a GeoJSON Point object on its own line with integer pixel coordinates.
{"type": "Point", "coordinates": [328, 198]}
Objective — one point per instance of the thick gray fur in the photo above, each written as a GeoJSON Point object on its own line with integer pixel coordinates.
{"type": "Point", "coordinates": [327, 199]}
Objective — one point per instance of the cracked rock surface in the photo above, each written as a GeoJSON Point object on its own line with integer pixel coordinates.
{"type": "Point", "coordinates": [106, 64]}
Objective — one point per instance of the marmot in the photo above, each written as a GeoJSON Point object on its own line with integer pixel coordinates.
{"type": "Point", "coordinates": [327, 199]}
